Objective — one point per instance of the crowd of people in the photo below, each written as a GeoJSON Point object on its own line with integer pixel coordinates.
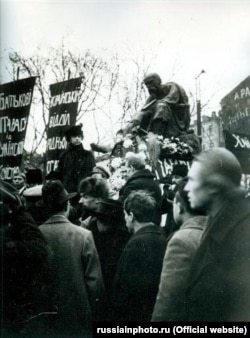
{"type": "Point", "coordinates": [73, 253]}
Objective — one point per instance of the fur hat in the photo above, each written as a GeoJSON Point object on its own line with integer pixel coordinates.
{"type": "Point", "coordinates": [74, 131]}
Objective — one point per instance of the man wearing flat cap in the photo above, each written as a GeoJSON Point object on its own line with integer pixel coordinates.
{"type": "Point", "coordinates": [75, 163]}
{"type": "Point", "coordinates": [77, 286]}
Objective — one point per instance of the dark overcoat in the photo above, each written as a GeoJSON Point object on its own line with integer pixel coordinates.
{"type": "Point", "coordinates": [24, 253]}
{"type": "Point", "coordinates": [219, 280]}
{"type": "Point", "coordinates": [138, 275]}
{"type": "Point", "coordinates": [141, 180]}
{"type": "Point", "coordinates": [109, 245]}
{"type": "Point", "coordinates": [75, 164]}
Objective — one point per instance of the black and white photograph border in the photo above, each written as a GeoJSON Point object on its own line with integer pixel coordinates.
{"type": "Point", "coordinates": [111, 45]}
{"type": "Point", "coordinates": [202, 45]}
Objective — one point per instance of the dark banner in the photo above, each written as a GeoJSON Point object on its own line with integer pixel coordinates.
{"type": "Point", "coordinates": [62, 114]}
{"type": "Point", "coordinates": [15, 101]}
{"type": "Point", "coordinates": [235, 108]}
{"type": "Point", "coordinates": [239, 145]}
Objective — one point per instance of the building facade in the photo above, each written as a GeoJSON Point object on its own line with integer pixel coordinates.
{"type": "Point", "coordinates": [235, 116]}
{"type": "Point", "coordinates": [211, 131]}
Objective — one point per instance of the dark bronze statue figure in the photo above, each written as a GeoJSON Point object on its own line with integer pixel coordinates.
{"type": "Point", "coordinates": [166, 110]}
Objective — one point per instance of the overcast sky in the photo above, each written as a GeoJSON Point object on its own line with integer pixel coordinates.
{"type": "Point", "coordinates": [189, 35]}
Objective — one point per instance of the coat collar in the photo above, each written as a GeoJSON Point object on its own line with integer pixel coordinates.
{"type": "Point", "coordinates": [150, 228]}
{"type": "Point", "coordinates": [235, 208]}
{"type": "Point", "coordinates": [140, 174]}
{"type": "Point", "coordinates": [73, 148]}
{"type": "Point", "coordinates": [57, 219]}
{"type": "Point", "coordinates": [196, 222]}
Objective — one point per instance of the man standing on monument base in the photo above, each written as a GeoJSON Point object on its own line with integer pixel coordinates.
{"type": "Point", "coordinates": [75, 162]}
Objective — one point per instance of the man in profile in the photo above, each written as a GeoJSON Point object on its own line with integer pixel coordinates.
{"type": "Point", "coordinates": [92, 190]}
{"type": "Point", "coordinates": [218, 287]}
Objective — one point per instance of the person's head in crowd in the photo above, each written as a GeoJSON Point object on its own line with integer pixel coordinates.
{"type": "Point", "coordinates": [100, 172]}
{"type": "Point", "coordinates": [34, 177]}
{"type": "Point", "coordinates": [182, 210]}
{"type": "Point", "coordinates": [74, 135]}
{"type": "Point", "coordinates": [134, 162]}
{"type": "Point", "coordinates": [139, 209]}
{"type": "Point", "coordinates": [179, 171]}
{"type": "Point", "coordinates": [214, 175]}
{"type": "Point", "coordinates": [56, 198]}
{"type": "Point", "coordinates": [109, 214]}
{"type": "Point", "coordinates": [33, 194]}
{"type": "Point", "coordinates": [92, 190]}
{"type": "Point", "coordinates": [18, 180]}
{"type": "Point", "coordinates": [119, 136]}
{"type": "Point", "coordinates": [32, 199]}
{"type": "Point", "coordinates": [153, 83]}
{"type": "Point", "coordinates": [53, 175]}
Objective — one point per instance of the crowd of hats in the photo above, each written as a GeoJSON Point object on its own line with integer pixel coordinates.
{"type": "Point", "coordinates": [53, 192]}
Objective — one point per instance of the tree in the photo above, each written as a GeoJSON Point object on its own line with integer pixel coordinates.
{"type": "Point", "coordinates": [110, 95]}
{"type": "Point", "coordinates": [128, 93]}
{"type": "Point", "coordinates": [58, 65]}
